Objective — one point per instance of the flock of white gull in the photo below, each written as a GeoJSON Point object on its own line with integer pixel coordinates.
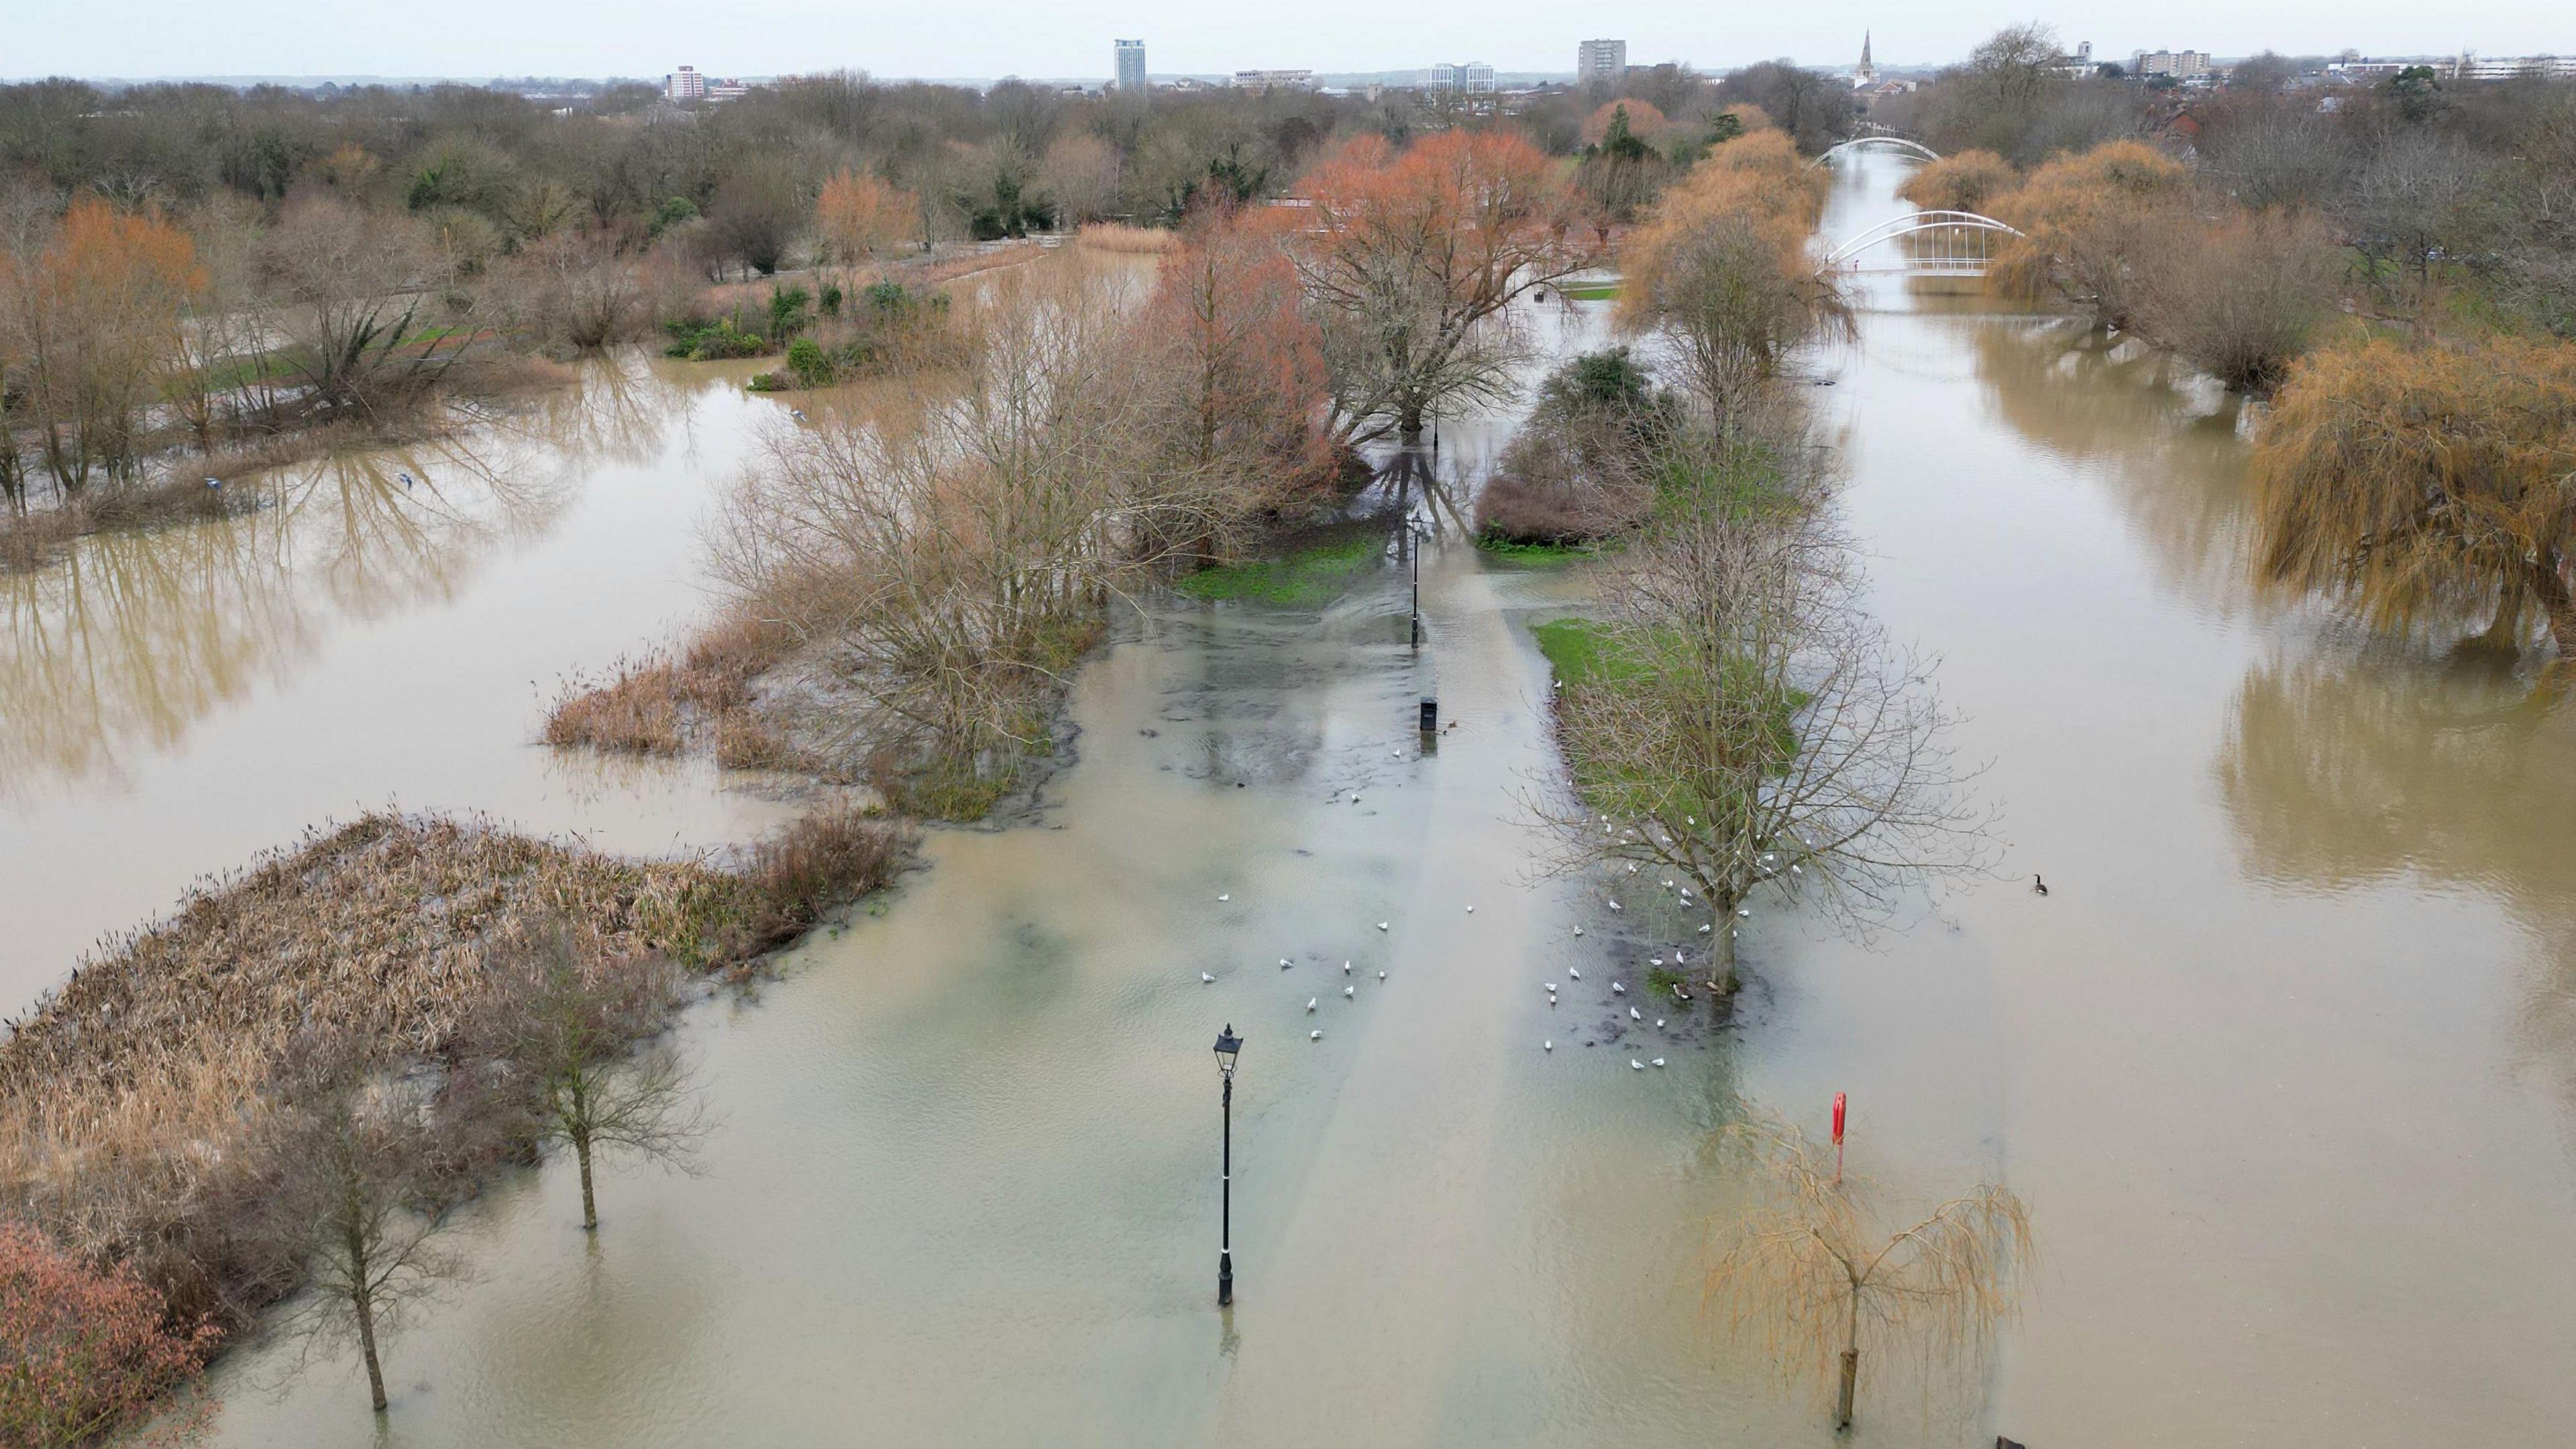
{"type": "Point", "coordinates": [1680, 957]}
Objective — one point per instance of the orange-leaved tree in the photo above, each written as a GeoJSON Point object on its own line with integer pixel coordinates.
{"type": "Point", "coordinates": [1237, 363]}
{"type": "Point", "coordinates": [1408, 256]}
{"type": "Point", "coordinates": [1720, 267]}
{"type": "Point", "coordinates": [1962, 181]}
{"type": "Point", "coordinates": [83, 1352]}
{"type": "Point", "coordinates": [89, 318]}
{"type": "Point", "coordinates": [860, 217]}
{"type": "Point", "coordinates": [2426, 484]}
{"type": "Point", "coordinates": [2090, 223]}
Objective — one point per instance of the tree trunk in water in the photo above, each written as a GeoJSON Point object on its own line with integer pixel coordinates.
{"type": "Point", "coordinates": [1850, 1365]}
{"type": "Point", "coordinates": [1722, 981]}
{"type": "Point", "coordinates": [589, 1205]}
{"type": "Point", "coordinates": [367, 1347]}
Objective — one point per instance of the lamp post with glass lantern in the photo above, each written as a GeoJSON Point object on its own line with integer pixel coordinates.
{"type": "Point", "coordinates": [1227, 1044]}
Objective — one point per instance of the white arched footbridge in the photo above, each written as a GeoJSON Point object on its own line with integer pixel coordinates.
{"type": "Point", "coordinates": [1924, 244]}
{"type": "Point", "coordinates": [1858, 144]}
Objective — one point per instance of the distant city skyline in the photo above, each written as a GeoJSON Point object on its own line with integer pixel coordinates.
{"type": "Point", "coordinates": [143, 39]}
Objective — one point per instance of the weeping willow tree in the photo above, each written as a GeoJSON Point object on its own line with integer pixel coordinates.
{"type": "Point", "coordinates": [1813, 1275]}
{"type": "Point", "coordinates": [2422, 486]}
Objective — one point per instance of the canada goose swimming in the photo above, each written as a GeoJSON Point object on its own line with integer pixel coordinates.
{"type": "Point", "coordinates": [2038, 885]}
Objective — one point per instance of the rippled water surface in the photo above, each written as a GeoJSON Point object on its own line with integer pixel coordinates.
{"type": "Point", "coordinates": [2285, 1065]}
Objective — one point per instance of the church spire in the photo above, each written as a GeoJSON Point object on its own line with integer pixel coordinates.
{"type": "Point", "coordinates": [1867, 71]}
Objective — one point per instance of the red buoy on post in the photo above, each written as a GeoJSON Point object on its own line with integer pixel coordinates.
{"type": "Point", "coordinates": [1838, 1136]}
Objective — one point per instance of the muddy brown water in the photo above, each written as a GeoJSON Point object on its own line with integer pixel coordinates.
{"type": "Point", "coordinates": [2285, 1064]}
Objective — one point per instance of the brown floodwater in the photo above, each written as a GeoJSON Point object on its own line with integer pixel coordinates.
{"type": "Point", "coordinates": [2285, 1065]}
{"type": "Point", "coordinates": [174, 702]}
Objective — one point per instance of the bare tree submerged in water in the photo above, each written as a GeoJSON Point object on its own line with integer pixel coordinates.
{"type": "Point", "coordinates": [1807, 1272]}
{"type": "Point", "coordinates": [355, 1188]}
{"type": "Point", "coordinates": [1740, 720]}
{"type": "Point", "coordinates": [562, 1042]}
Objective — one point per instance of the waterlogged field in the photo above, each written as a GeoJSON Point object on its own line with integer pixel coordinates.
{"type": "Point", "coordinates": [2285, 1064]}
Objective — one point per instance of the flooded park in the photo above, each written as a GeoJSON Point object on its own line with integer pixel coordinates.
{"type": "Point", "coordinates": [2284, 1063]}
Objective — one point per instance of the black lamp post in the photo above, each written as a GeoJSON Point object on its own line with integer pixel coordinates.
{"type": "Point", "coordinates": [1227, 1044]}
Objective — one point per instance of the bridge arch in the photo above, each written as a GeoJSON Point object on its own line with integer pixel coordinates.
{"type": "Point", "coordinates": [1920, 223]}
{"type": "Point", "coordinates": [1897, 144]}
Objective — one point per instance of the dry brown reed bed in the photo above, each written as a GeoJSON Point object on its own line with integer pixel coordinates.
{"type": "Point", "coordinates": [128, 1098]}
{"type": "Point", "coordinates": [701, 698]}
{"type": "Point", "coordinates": [1111, 236]}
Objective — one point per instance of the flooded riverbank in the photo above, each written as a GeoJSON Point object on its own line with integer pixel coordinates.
{"type": "Point", "coordinates": [2282, 1065]}
{"type": "Point", "coordinates": [174, 702]}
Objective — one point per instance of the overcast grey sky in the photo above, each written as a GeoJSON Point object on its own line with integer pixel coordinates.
{"type": "Point", "coordinates": [138, 38]}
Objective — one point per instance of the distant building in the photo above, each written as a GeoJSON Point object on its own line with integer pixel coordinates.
{"type": "Point", "coordinates": [1600, 60]}
{"type": "Point", "coordinates": [2078, 65]}
{"type": "Point", "coordinates": [1475, 78]}
{"type": "Point", "coordinates": [726, 90]}
{"type": "Point", "coordinates": [684, 84]}
{"type": "Point", "coordinates": [1274, 80]}
{"type": "Point", "coordinates": [1867, 73]}
{"type": "Point", "coordinates": [2475, 67]}
{"type": "Point", "coordinates": [1131, 66]}
{"type": "Point", "coordinates": [2181, 65]}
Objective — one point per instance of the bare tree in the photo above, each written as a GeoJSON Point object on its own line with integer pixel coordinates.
{"type": "Point", "coordinates": [1740, 720]}
{"type": "Point", "coordinates": [354, 1183]}
{"type": "Point", "coordinates": [1810, 1273]}
{"type": "Point", "coordinates": [350, 285]}
{"type": "Point", "coordinates": [563, 1038]}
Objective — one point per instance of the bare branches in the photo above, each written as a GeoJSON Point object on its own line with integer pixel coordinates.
{"type": "Point", "coordinates": [1808, 1273]}
{"type": "Point", "coordinates": [1409, 258]}
{"type": "Point", "coordinates": [561, 1042]}
{"type": "Point", "coordinates": [1741, 720]}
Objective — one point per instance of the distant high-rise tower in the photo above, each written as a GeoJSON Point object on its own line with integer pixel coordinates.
{"type": "Point", "coordinates": [1600, 60]}
{"type": "Point", "coordinates": [1867, 71]}
{"type": "Point", "coordinates": [1131, 65]}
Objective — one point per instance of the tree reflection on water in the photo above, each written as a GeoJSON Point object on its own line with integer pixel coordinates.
{"type": "Point", "coordinates": [2341, 771]}
{"type": "Point", "coordinates": [133, 638]}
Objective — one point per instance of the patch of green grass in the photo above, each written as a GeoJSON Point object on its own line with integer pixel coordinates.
{"type": "Point", "coordinates": [1586, 651]}
{"type": "Point", "coordinates": [1540, 554]}
{"type": "Point", "coordinates": [1592, 291]}
{"type": "Point", "coordinates": [1308, 579]}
